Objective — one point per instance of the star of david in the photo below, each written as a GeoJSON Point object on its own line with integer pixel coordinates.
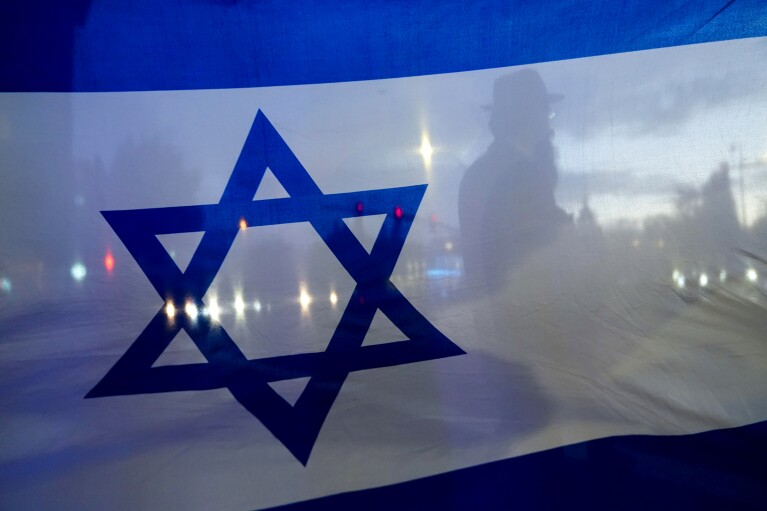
{"type": "Point", "coordinates": [296, 426]}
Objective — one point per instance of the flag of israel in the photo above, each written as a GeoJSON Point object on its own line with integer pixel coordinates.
{"type": "Point", "coordinates": [410, 256]}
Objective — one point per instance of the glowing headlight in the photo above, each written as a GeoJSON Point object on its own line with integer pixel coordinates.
{"type": "Point", "coordinates": [78, 271]}
{"type": "Point", "coordinates": [239, 304]}
{"type": "Point", "coordinates": [214, 310]}
{"type": "Point", "coordinates": [191, 310]}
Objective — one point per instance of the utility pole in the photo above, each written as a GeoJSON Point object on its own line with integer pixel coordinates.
{"type": "Point", "coordinates": [742, 190]}
{"type": "Point", "coordinates": [741, 182]}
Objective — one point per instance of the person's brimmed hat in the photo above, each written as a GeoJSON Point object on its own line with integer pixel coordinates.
{"type": "Point", "coordinates": [522, 91]}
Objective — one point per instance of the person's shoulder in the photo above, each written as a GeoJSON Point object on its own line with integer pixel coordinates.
{"type": "Point", "coordinates": [476, 173]}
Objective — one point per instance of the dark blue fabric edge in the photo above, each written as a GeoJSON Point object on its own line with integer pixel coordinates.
{"type": "Point", "coordinates": [111, 45]}
{"type": "Point", "coordinates": [720, 469]}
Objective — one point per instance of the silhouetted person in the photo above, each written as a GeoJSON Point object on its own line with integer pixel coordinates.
{"type": "Point", "coordinates": [506, 200]}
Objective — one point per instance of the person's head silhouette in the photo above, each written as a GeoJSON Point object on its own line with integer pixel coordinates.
{"type": "Point", "coordinates": [521, 109]}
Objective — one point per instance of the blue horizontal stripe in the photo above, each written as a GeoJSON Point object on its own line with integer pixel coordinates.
{"type": "Point", "coordinates": [722, 469]}
{"type": "Point", "coordinates": [112, 45]}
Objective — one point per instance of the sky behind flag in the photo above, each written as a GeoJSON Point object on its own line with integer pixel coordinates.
{"type": "Point", "coordinates": [634, 124]}
{"type": "Point", "coordinates": [261, 274]}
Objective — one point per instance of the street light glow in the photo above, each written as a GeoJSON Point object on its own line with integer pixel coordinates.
{"type": "Point", "coordinates": [426, 150]}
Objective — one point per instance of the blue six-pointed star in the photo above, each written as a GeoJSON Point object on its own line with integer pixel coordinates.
{"type": "Point", "coordinates": [297, 426]}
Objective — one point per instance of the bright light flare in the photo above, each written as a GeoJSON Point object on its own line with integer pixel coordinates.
{"type": "Point", "coordinates": [398, 213]}
{"type": "Point", "coordinates": [426, 150]}
{"type": "Point", "coordinates": [109, 262]}
{"type": "Point", "coordinates": [333, 298]}
{"type": "Point", "coordinates": [681, 281]}
{"type": "Point", "coordinates": [170, 310]}
{"type": "Point", "coordinates": [214, 310]}
{"type": "Point", "coordinates": [191, 310]}
{"type": "Point", "coordinates": [243, 224]}
{"type": "Point", "coordinates": [239, 305]}
{"type": "Point", "coordinates": [703, 280]}
{"type": "Point", "coordinates": [78, 271]}
{"type": "Point", "coordinates": [257, 306]}
{"type": "Point", "coordinates": [751, 275]}
{"type": "Point", "coordinates": [304, 298]}
{"type": "Point", "coordinates": [5, 284]}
